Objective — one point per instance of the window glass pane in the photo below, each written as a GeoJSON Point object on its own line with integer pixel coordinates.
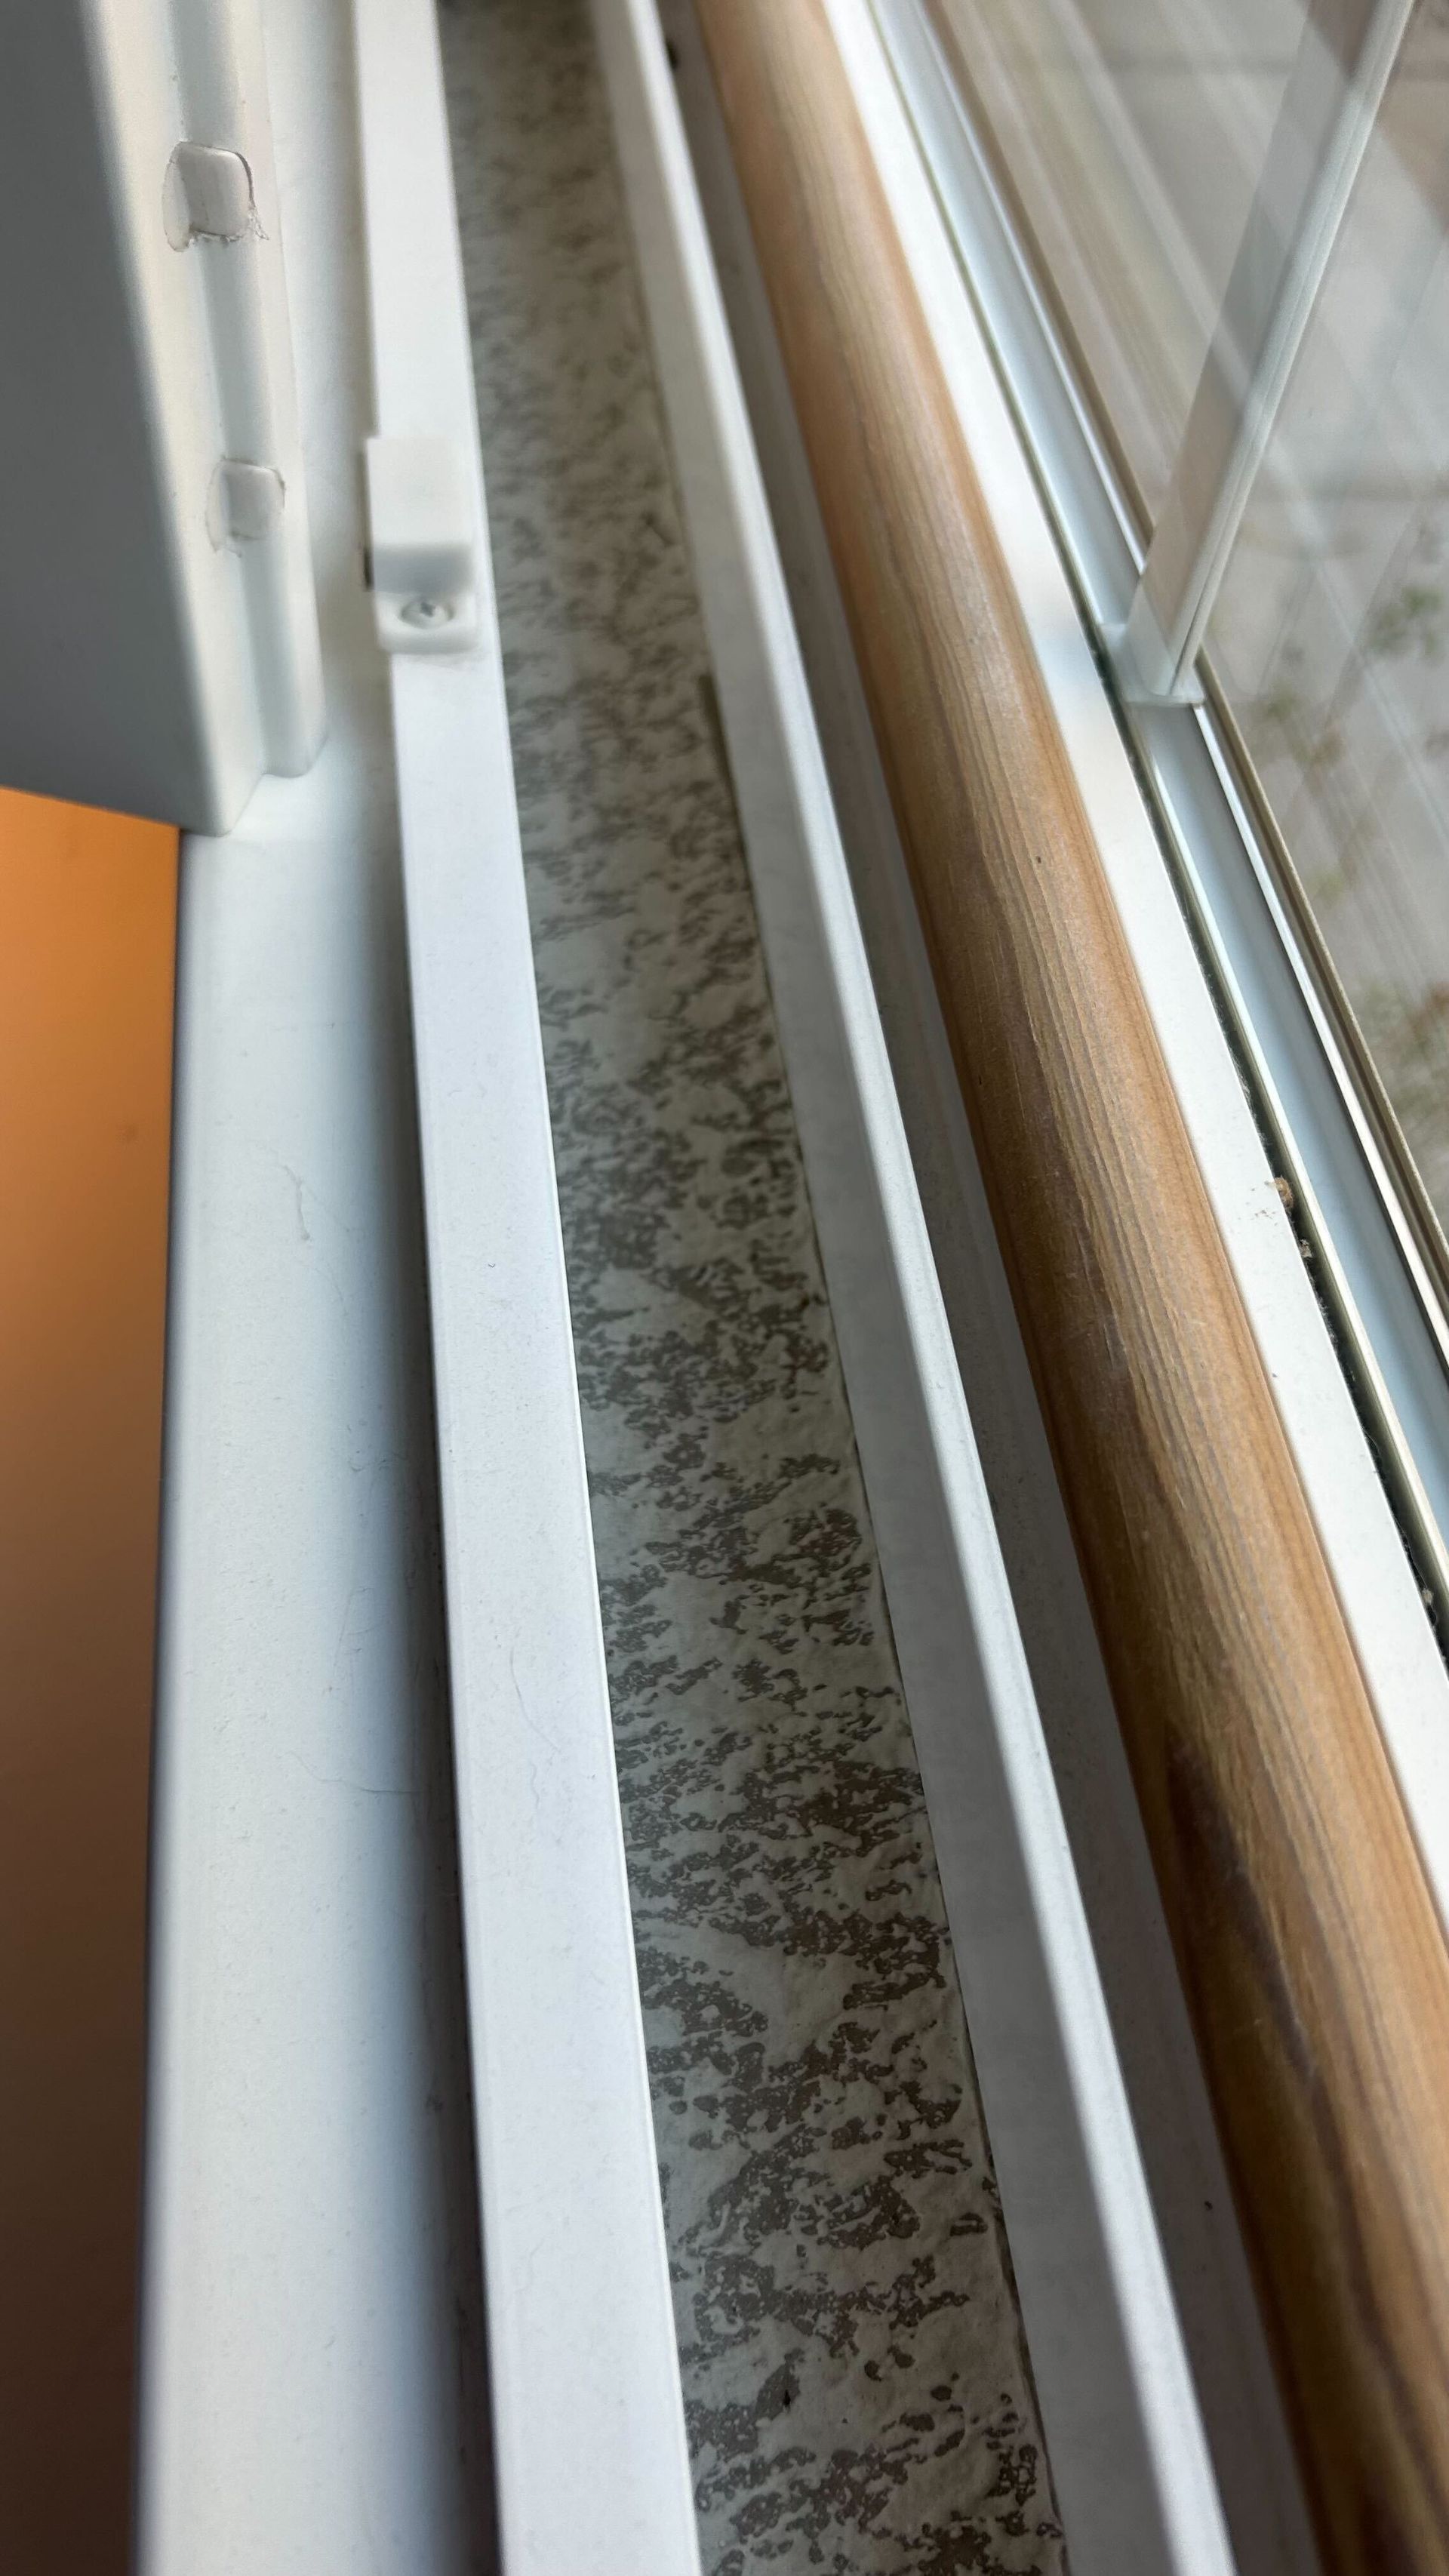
{"type": "Point", "coordinates": [1128, 136]}
{"type": "Point", "coordinates": [1331, 632]}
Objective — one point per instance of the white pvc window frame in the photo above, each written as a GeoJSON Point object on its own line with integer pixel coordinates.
{"type": "Point", "coordinates": [1356, 1215]}
{"type": "Point", "coordinates": [1107, 2328]}
{"type": "Point", "coordinates": [321, 2098]}
{"type": "Point", "coordinates": [1376, 1585]}
{"type": "Point", "coordinates": [159, 647]}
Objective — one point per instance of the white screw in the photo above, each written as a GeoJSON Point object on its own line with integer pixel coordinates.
{"type": "Point", "coordinates": [427, 612]}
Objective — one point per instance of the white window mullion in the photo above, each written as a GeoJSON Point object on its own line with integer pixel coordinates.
{"type": "Point", "coordinates": [1345, 57]}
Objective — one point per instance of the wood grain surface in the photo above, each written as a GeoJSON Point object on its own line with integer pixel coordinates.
{"type": "Point", "coordinates": [1312, 1955]}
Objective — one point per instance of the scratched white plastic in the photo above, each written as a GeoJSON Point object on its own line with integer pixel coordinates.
{"type": "Point", "coordinates": [592, 2466]}
{"type": "Point", "coordinates": [313, 2306]}
{"type": "Point", "coordinates": [311, 2301]}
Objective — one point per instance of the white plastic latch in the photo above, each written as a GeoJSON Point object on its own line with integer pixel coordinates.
{"type": "Point", "coordinates": [423, 544]}
{"type": "Point", "coordinates": [207, 196]}
{"type": "Point", "coordinates": [245, 502]}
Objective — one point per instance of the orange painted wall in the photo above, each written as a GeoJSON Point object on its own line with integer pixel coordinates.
{"type": "Point", "coordinates": [87, 931]}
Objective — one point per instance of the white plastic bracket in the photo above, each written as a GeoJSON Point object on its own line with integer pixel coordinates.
{"type": "Point", "coordinates": [423, 545]}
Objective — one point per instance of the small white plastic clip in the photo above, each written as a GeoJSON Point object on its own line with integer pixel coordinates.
{"type": "Point", "coordinates": [423, 545]}
{"type": "Point", "coordinates": [245, 502]}
{"type": "Point", "coordinates": [207, 196]}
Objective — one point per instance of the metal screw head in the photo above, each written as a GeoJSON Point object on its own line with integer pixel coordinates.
{"type": "Point", "coordinates": [427, 612]}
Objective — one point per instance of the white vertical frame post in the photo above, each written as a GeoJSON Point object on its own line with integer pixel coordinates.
{"type": "Point", "coordinates": [158, 629]}
{"type": "Point", "coordinates": [222, 78]}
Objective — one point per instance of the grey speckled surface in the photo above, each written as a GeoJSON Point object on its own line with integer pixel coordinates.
{"type": "Point", "coordinates": [857, 2392]}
